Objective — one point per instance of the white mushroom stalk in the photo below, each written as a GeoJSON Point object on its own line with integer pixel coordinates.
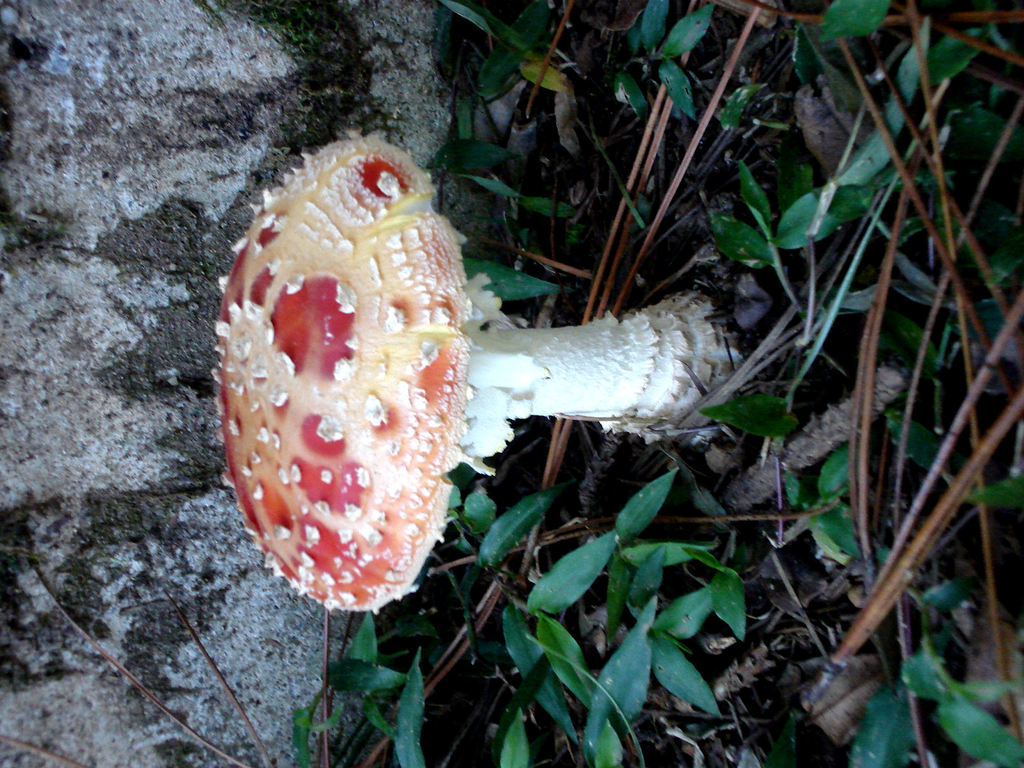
{"type": "Point", "coordinates": [641, 374]}
{"type": "Point", "coordinates": [358, 368]}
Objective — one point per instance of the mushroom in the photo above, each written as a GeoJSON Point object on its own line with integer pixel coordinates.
{"type": "Point", "coordinates": [358, 366]}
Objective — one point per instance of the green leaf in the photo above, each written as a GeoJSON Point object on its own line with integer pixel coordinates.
{"type": "Point", "coordinates": [622, 685]}
{"type": "Point", "coordinates": [678, 86]}
{"type": "Point", "coordinates": [762, 415]}
{"type": "Point", "coordinates": [487, 22]}
{"type": "Point", "coordinates": [783, 754]}
{"type": "Point", "coordinates": [508, 529]}
{"type": "Point", "coordinates": [358, 675]}
{"type": "Point", "coordinates": [647, 578]}
{"type": "Point", "coordinates": [609, 749]}
{"type": "Point", "coordinates": [515, 750]}
{"type": "Point", "coordinates": [885, 734]}
{"type": "Point", "coordinates": [680, 678]}
{"type": "Point", "coordinates": [478, 510]}
{"type": "Point", "coordinates": [795, 222]}
{"type": "Point", "coordinates": [565, 657]}
{"type": "Point", "coordinates": [687, 32]}
{"type": "Point", "coordinates": [497, 186]}
{"type": "Point", "coordinates": [553, 79]}
{"type": "Point", "coordinates": [741, 242]}
{"type": "Point", "coordinates": [948, 57]}
{"type": "Point", "coordinates": [364, 643]}
{"type": "Point", "coordinates": [571, 576]}
{"type": "Point", "coordinates": [376, 718]}
{"type": "Point", "coordinates": [652, 23]}
{"type": "Point", "coordinates": [506, 283]}
{"type": "Point", "coordinates": [974, 132]}
{"type": "Point", "coordinates": [627, 91]}
{"type": "Point", "coordinates": [732, 111]}
{"type": "Point", "coordinates": [410, 719]}
{"type": "Point", "coordinates": [903, 336]}
{"type": "Point", "coordinates": [498, 73]}
{"type": "Point", "coordinates": [643, 507]}
{"type": "Point", "coordinates": [1007, 262]}
{"type": "Point", "coordinates": [729, 601]}
{"type": "Point", "coordinates": [806, 62]}
{"type": "Point", "coordinates": [519, 702]}
{"type": "Point", "coordinates": [837, 526]}
{"type": "Point", "coordinates": [619, 579]}
{"type": "Point", "coordinates": [684, 616]}
{"type": "Point", "coordinates": [923, 676]}
{"type": "Point", "coordinates": [547, 207]}
{"type": "Point", "coordinates": [867, 161]}
{"type": "Point", "coordinates": [853, 18]}
{"type": "Point", "coordinates": [525, 652]}
{"type": "Point", "coordinates": [461, 155]}
{"type": "Point", "coordinates": [755, 198]}
{"type": "Point", "coordinates": [835, 474]}
{"type": "Point", "coordinates": [676, 552]}
{"type": "Point", "coordinates": [795, 173]}
{"type": "Point", "coordinates": [949, 594]}
{"type": "Point", "coordinates": [302, 719]}
{"type": "Point", "coordinates": [979, 734]}
{"type": "Point", "coordinates": [848, 203]}
{"type": "Point", "coordinates": [1006, 493]}
{"type": "Point", "coordinates": [544, 205]}
{"type": "Point", "coordinates": [922, 443]}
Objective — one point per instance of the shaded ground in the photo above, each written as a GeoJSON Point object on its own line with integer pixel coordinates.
{"type": "Point", "coordinates": [110, 462]}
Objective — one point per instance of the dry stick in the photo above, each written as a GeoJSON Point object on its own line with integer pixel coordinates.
{"type": "Point", "coordinates": [993, 161]}
{"type": "Point", "coordinates": [906, 642]}
{"type": "Point", "coordinates": [691, 150]}
{"type": "Point", "coordinates": [860, 427]}
{"type": "Point", "coordinates": [991, 592]}
{"type": "Point", "coordinates": [649, 154]}
{"type": "Point", "coordinates": [267, 759]}
{"type": "Point", "coordinates": [1018, 211]}
{"type": "Point", "coordinates": [139, 686]}
{"type": "Point", "coordinates": [956, 426]}
{"type": "Point", "coordinates": [799, 604]}
{"type": "Point", "coordinates": [606, 269]}
{"type": "Point", "coordinates": [25, 746]}
{"type": "Point", "coordinates": [559, 266]}
{"type": "Point", "coordinates": [976, 42]}
{"type": "Point", "coordinates": [939, 174]}
{"type": "Point", "coordinates": [964, 222]}
{"type": "Point", "coordinates": [606, 254]}
{"type": "Point", "coordinates": [898, 19]}
{"type": "Point", "coordinates": [900, 460]}
{"type": "Point", "coordinates": [547, 56]}
{"type": "Point", "coordinates": [1003, 660]}
{"type": "Point", "coordinates": [903, 560]}
{"type": "Point", "coordinates": [964, 303]}
{"type": "Point", "coordinates": [900, 566]}
{"type": "Point", "coordinates": [455, 650]}
{"type": "Point", "coordinates": [325, 693]}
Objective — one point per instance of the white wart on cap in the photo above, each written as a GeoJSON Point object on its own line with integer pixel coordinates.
{"type": "Point", "coordinates": [343, 365]}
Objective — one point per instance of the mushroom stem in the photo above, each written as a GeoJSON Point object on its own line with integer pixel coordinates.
{"type": "Point", "coordinates": [640, 374]}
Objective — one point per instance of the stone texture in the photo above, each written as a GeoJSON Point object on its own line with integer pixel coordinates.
{"type": "Point", "coordinates": [136, 134]}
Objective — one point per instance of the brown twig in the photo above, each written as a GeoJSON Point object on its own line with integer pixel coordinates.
{"type": "Point", "coordinates": [548, 56]}
{"type": "Point", "coordinates": [136, 683]}
{"type": "Point", "coordinates": [902, 564]}
{"type": "Point", "coordinates": [691, 150]}
{"type": "Point", "coordinates": [267, 759]}
{"type": "Point", "coordinates": [45, 753]}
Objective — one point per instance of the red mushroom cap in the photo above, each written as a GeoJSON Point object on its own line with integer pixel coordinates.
{"type": "Point", "coordinates": [343, 373]}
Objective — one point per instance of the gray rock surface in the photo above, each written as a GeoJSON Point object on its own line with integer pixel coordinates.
{"type": "Point", "coordinates": [135, 135]}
